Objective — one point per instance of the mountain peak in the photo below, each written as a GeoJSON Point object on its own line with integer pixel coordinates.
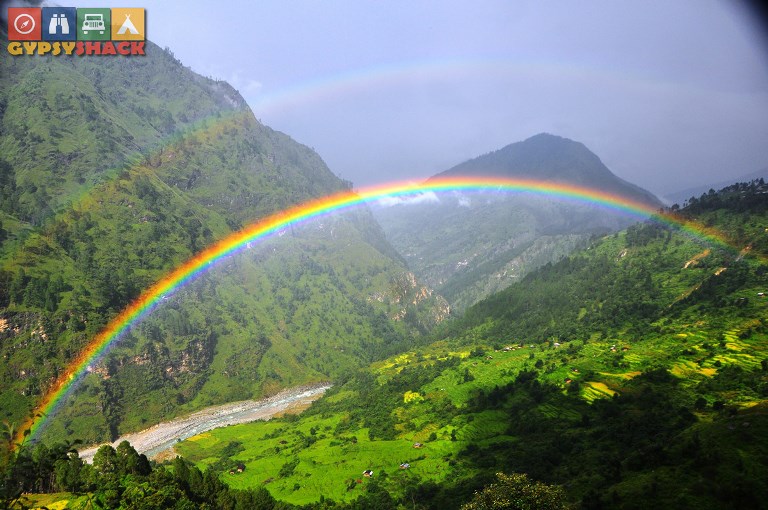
{"type": "Point", "coordinates": [552, 158]}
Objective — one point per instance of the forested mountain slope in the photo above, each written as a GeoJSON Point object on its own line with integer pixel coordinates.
{"type": "Point", "coordinates": [115, 170]}
{"type": "Point", "coordinates": [633, 374]}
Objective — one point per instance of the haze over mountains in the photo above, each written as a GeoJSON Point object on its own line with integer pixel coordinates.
{"type": "Point", "coordinates": [470, 245]}
{"type": "Point", "coordinates": [680, 197]}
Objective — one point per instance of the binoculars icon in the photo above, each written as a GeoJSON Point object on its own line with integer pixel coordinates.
{"type": "Point", "coordinates": [58, 21]}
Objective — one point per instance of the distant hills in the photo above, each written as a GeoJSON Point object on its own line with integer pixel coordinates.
{"type": "Point", "coordinates": [680, 197]}
{"type": "Point", "coordinates": [469, 246]}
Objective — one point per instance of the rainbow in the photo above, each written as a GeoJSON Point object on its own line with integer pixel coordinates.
{"type": "Point", "coordinates": [264, 228]}
{"type": "Point", "coordinates": [270, 103]}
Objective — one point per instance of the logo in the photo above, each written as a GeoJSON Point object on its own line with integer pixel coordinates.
{"type": "Point", "coordinates": [24, 24]}
{"type": "Point", "coordinates": [76, 31]}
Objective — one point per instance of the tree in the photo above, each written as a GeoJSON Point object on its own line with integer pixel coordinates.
{"type": "Point", "coordinates": [130, 462]}
{"type": "Point", "coordinates": [517, 492]}
{"type": "Point", "coordinates": [68, 473]}
{"type": "Point", "coordinates": [105, 460]}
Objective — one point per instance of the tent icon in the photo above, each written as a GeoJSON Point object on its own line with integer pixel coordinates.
{"type": "Point", "coordinates": [127, 26]}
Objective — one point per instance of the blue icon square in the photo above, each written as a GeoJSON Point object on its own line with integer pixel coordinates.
{"type": "Point", "coordinates": [59, 24]}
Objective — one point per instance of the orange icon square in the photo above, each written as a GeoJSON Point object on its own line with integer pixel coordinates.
{"type": "Point", "coordinates": [128, 24]}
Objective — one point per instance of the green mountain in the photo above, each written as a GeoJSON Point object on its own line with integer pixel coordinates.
{"type": "Point", "coordinates": [632, 374]}
{"type": "Point", "coordinates": [468, 246]}
{"type": "Point", "coordinates": [114, 171]}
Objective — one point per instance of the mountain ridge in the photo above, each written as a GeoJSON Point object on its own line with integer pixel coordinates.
{"type": "Point", "coordinates": [468, 246]}
{"type": "Point", "coordinates": [552, 158]}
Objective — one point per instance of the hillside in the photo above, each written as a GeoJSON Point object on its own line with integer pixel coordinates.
{"type": "Point", "coordinates": [115, 170]}
{"type": "Point", "coordinates": [632, 373]}
{"type": "Point", "coordinates": [468, 246]}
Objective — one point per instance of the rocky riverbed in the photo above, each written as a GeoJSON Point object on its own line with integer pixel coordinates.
{"type": "Point", "coordinates": [159, 438]}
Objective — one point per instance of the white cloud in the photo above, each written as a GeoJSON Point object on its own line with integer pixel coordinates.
{"type": "Point", "coordinates": [420, 198]}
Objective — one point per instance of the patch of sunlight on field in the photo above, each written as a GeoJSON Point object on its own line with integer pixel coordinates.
{"type": "Point", "coordinates": [633, 358]}
{"type": "Point", "coordinates": [402, 359]}
{"type": "Point", "coordinates": [58, 505]}
{"type": "Point", "coordinates": [332, 469]}
{"type": "Point", "coordinates": [684, 369]}
{"type": "Point", "coordinates": [624, 376]}
{"type": "Point", "coordinates": [743, 359]}
{"type": "Point", "coordinates": [201, 441]}
{"type": "Point", "coordinates": [737, 344]}
{"type": "Point", "coordinates": [55, 501]}
{"type": "Point", "coordinates": [594, 390]}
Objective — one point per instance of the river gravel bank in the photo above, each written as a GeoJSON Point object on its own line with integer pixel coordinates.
{"type": "Point", "coordinates": [161, 437]}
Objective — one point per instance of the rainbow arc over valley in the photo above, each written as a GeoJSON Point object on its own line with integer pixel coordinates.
{"type": "Point", "coordinates": [309, 210]}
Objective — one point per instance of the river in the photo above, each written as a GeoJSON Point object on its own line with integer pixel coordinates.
{"type": "Point", "coordinates": [161, 437]}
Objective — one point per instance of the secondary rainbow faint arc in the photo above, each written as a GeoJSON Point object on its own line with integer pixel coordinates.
{"type": "Point", "coordinates": [306, 211]}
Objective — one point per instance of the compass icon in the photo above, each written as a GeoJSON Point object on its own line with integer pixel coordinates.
{"type": "Point", "coordinates": [24, 23]}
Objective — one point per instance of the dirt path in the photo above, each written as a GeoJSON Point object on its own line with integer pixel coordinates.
{"type": "Point", "coordinates": [161, 437]}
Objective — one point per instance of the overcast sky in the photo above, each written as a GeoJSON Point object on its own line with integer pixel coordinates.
{"type": "Point", "coordinates": [668, 93]}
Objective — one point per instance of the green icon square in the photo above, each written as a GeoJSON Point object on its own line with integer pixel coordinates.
{"type": "Point", "coordinates": [94, 24]}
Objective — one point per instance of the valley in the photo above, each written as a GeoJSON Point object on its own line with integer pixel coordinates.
{"type": "Point", "coordinates": [159, 440]}
{"type": "Point", "coordinates": [620, 373]}
{"type": "Point", "coordinates": [197, 312]}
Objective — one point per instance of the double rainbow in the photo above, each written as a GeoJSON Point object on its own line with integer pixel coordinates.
{"type": "Point", "coordinates": [262, 229]}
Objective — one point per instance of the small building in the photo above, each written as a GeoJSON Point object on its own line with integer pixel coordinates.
{"type": "Point", "coordinates": [368, 473]}
{"type": "Point", "coordinates": [405, 465]}
{"type": "Point", "coordinates": [418, 445]}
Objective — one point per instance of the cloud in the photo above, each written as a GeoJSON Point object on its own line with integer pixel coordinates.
{"type": "Point", "coordinates": [420, 198]}
{"type": "Point", "coordinates": [246, 86]}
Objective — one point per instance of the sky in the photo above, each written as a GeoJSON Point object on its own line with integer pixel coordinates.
{"type": "Point", "coordinates": [669, 94]}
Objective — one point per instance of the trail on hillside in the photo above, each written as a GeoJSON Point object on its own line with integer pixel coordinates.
{"type": "Point", "coordinates": [161, 437]}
